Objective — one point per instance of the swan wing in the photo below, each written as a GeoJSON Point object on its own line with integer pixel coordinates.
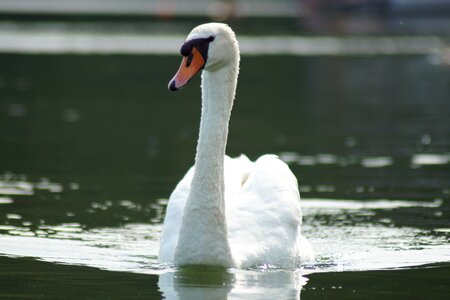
{"type": "Point", "coordinates": [262, 210]}
{"type": "Point", "coordinates": [173, 218]}
{"type": "Point", "coordinates": [264, 216]}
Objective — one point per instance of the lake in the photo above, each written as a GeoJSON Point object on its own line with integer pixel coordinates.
{"type": "Point", "coordinates": [92, 145]}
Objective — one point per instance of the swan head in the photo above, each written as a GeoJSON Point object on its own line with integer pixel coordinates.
{"type": "Point", "coordinates": [208, 47]}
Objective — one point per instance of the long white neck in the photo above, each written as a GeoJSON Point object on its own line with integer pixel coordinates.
{"type": "Point", "coordinates": [203, 238]}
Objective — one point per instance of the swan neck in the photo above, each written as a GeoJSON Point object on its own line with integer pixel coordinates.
{"type": "Point", "coordinates": [217, 101]}
{"type": "Point", "coordinates": [204, 215]}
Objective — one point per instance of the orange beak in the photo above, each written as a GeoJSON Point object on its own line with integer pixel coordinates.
{"type": "Point", "coordinates": [190, 65]}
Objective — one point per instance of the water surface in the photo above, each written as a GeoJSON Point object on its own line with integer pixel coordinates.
{"type": "Point", "coordinates": [92, 146]}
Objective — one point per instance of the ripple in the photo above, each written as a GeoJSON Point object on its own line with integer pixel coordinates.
{"type": "Point", "coordinates": [430, 159]}
{"type": "Point", "coordinates": [417, 160]}
{"type": "Point", "coordinates": [332, 159]}
{"type": "Point", "coordinates": [131, 248]}
{"type": "Point", "coordinates": [358, 204]}
{"type": "Point", "coordinates": [346, 234]}
{"type": "Point", "coordinates": [13, 216]}
{"type": "Point", "coordinates": [16, 188]}
{"type": "Point", "coordinates": [45, 184]}
{"type": "Point", "coordinates": [376, 162]}
{"type": "Point", "coordinates": [11, 184]}
{"type": "Point", "coordinates": [6, 200]}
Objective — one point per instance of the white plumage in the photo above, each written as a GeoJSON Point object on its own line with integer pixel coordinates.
{"type": "Point", "coordinates": [231, 212]}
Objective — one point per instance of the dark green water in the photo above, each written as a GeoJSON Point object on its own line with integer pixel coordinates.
{"type": "Point", "coordinates": [92, 146]}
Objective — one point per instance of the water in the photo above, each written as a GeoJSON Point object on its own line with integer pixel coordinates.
{"type": "Point", "coordinates": [92, 146]}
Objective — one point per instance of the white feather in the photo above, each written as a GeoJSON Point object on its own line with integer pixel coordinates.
{"type": "Point", "coordinates": [231, 212]}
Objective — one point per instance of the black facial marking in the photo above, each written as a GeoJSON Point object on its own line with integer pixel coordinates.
{"type": "Point", "coordinates": [186, 49]}
{"type": "Point", "coordinates": [189, 60]}
{"type": "Point", "coordinates": [202, 45]}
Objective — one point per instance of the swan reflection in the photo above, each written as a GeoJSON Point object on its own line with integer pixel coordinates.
{"type": "Point", "coordinates": [198, 283]}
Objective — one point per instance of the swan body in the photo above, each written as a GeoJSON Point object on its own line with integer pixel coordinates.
{"type": "Point", "coordinates": [228, 212]}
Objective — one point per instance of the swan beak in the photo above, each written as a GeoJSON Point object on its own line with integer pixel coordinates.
{"type": "Point", "coordinates": [190, 65]}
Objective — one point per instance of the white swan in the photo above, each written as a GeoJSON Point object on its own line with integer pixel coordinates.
{"type": "Point", "coordinates": [228, 212]}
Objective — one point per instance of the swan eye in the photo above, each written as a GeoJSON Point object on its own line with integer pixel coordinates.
{"type": "Point", "coordinates": [186, 49]}
{"type": "Point", "coordinates": [201, 44]}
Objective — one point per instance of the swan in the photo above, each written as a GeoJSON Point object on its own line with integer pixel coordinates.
{"type": "Point", "coordinates": [228, 212]}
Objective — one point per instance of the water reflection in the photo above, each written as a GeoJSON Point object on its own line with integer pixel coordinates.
{"type": "Point", "coordinates": [213, 283]}
{"type": "Point", "coordinates": [196, 283]}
